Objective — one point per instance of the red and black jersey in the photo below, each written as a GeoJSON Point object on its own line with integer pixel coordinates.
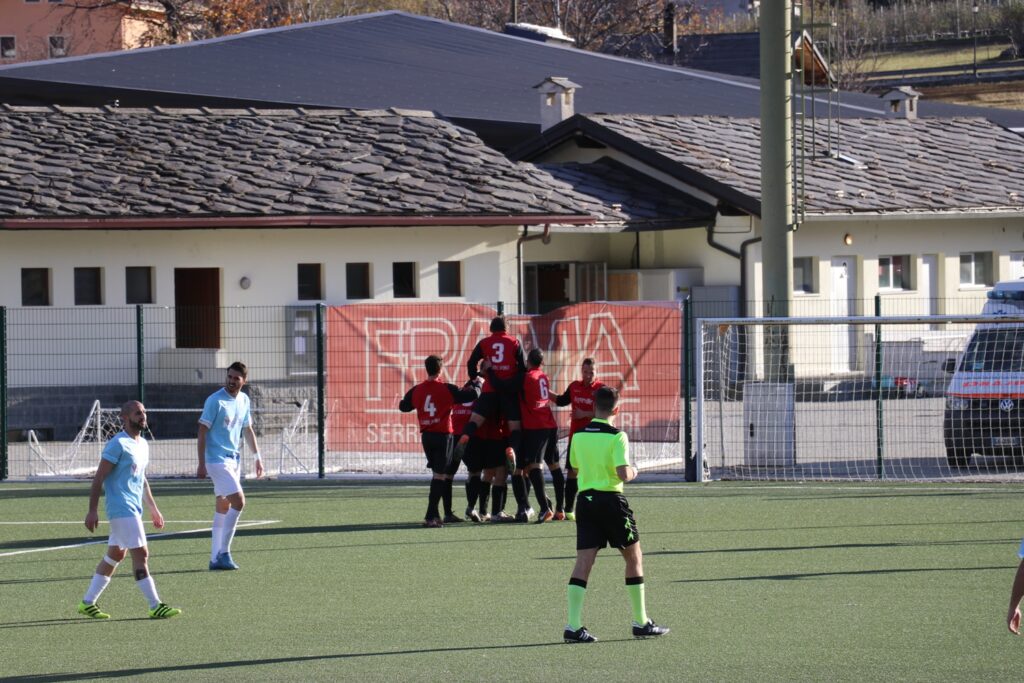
{"type": "Point", "coordinates": [581, 397]}
{"type": "Point", "coordinates": [492, 431]}
{"type": "Point", "coordinates": [505, 354]}
{"type": "Point", "coordinates": [433, 401]}
{"type": "Point", "coordinates": [535, 410]}
{"type": "Point", "coordinates": [461, 413]}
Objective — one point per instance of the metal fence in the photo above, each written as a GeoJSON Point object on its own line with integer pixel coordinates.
{"type": "Point", "coordinates": [324, 381]}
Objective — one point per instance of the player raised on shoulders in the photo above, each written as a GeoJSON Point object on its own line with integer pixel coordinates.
{"type": "Point", "coordinates": [504, 354]}
{"type": "Point", "coordinates": [433, 401]}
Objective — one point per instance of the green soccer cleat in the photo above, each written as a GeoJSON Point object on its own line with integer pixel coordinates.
{"type": "Point", "coordinates": [163, 611]}
{"type": "Point", "coordinates": [92, 611]}
{"type": "Point", "coordinates": [570, 516]}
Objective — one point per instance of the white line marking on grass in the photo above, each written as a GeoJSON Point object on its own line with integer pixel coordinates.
{"type": "Point", "coordinates": [908, 487]}
{"type": "Point", "coordinates": [262, 522]}
{"type": "Point", "coordinates": [177, 521]}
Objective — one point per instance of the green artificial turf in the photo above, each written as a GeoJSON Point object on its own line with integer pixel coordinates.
{"type": "Point", "coordinates": [758, 582]}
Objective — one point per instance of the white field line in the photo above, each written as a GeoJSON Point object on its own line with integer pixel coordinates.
{"type": "Point", "coordinates": [908, 487]}
{"type": "Point", "coordinates": [260, 522]}
{"type": "Point", "coordinates": [103, 521]}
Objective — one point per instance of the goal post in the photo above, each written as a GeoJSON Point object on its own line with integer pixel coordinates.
{"type": "Point", "coordinates": [915, 398]}
{"type": "Point", "coordinates": [287, 439]}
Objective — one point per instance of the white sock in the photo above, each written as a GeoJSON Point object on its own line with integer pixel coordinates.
{"type": "Point", "coordinates": [216, 535]}
{"type": "Point", "coordinates": [230, 524]}
{"type": "Point", "coordinates": [148, 588]}
{"type": "Point", "coordinates": [96, 586]}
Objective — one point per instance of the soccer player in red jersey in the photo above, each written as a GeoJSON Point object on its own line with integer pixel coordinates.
{"type": "Point", "coordinates": [433, 401]}
{"type": "Point", "coordinates": [580, 395]}
{"type": "Point", "coordinates": [473, 459]}
{"type": "Point", "coordinates": [490, 442]}
{"type": "Point", "coordinates": [504, 356]}
{"type": "Point", "coordinates": [539, 429]}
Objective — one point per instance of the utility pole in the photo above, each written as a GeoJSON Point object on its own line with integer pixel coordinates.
{"type": "Point", "coordinates": [777, 176]}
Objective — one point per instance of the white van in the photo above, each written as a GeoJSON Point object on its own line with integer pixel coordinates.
{"type": "Point", "coordinates": [985, 398]}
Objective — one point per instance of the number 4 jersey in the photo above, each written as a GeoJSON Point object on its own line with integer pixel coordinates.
{"type": "Point", "coordinates": [433, 401]}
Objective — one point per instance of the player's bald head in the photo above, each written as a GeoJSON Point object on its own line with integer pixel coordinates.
{"type": "Point", "coordinates": [129, 407]}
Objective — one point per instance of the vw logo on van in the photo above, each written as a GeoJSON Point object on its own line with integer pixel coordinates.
{"type": "Point", "coordinates": [1006, 405]}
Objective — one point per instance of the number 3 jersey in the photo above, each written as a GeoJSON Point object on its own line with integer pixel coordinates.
{"type": "Point", "coordinates": [433, 401]}
{"type": "Point", "coordinates": [504, 353]}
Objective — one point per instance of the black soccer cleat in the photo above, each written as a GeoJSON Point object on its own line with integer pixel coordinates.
{"type": "Point", "coordinates": [580, 636]}
{"type": "Point", "coordinates": [648, 630]}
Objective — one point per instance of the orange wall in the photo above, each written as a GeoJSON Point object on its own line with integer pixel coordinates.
{"type": "Point", "coordinates": [85, 32]}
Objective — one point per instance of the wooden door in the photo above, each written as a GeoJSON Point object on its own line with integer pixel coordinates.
{"type": "Point", "coordinates": [197, 308]}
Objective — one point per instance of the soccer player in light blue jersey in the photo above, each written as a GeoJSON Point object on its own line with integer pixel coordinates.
{"type": "Point", "coordinates": [121, 476]}
{"type": "Point", "coordinates": [225, 420]}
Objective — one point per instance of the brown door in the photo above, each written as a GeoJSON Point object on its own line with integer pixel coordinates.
{"type": "Point", "coordinates": [197, 308]}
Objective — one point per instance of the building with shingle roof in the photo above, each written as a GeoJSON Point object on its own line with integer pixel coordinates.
{"type": "Point", "coordinates": [919, 211]}
{"type": "Point", "coordinates": [170, 190]}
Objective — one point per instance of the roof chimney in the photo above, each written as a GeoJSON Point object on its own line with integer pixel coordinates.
{"type": "Point", "coordinates": [902, 99]}
{"type": "Point", "coordinates": [671, 33]}
{"type": "Point", "coordinates": [556, 100]}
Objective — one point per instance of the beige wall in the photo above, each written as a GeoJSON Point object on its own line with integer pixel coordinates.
{"type": "Point", "coordinates": [267, 257]}
{"type": "Point", "coordinates": [85, 32]}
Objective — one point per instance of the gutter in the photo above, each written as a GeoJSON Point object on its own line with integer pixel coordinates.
{"type": "Point", "coordinates": [275, 222]}
{"type": "Point", "coordinates": [545, 238]}
{"type": "Point", "coordinates": [742, 256]}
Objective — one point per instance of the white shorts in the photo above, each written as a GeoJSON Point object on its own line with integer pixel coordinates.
{"type": "Point", "coordinates": [226, 477]}
{"type": "Point", "coordinates": [127, 533]}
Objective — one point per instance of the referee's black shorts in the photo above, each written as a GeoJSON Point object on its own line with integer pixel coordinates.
{"type": "Point", "coordinates": [438, 449]}
{"type": "Point", "coordinates": [604, 518]}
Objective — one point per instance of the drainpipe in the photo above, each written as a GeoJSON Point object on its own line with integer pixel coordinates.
{"type": "Point", "coordinates": [742, 256]}
{"type": "Point", "coordinates": [545, 238]}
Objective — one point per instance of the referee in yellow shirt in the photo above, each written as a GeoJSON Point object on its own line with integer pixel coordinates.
{"type": "Point", "coordinates": [600, 454]}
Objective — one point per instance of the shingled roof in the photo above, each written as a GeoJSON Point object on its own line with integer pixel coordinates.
{"type": "Point", "coordinates": [884, 165]}
{"type": "Point", "coordinates": [147, 164]}
{"type": "Point", "coordinates": [649, 203]}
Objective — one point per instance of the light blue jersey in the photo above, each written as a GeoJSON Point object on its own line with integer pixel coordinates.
{"type": "Point", "coordinates": [225, 417]}
{"type": "Point", "coordinates": [123, 487]}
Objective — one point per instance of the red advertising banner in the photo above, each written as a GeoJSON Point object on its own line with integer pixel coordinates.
{"type": "Point", "coordinates": [375, 354]}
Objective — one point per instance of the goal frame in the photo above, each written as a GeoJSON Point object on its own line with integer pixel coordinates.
{"type": "Point", "coordinates": [702, 324]}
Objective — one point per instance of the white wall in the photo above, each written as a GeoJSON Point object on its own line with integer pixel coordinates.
{"type": "Point", "coordinates": [46, 353]}
{"type": "Point", "coordinates": [267, 257]}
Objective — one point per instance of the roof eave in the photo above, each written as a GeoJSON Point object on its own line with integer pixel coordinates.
{"type": "Point", "coordinates": [582, 125]}
{"type": "Point", "coordinates": [285, 222]}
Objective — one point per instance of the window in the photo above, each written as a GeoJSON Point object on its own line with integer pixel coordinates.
{"type": "Point", "coordinates": [138, 285]}
{"type": "Point", "coordinates": [976, 269]}
{"type": "Point", "coordinates": [893, 272]}
{"type": "Point", "coordinates": [310, 282]}
{"type": "Point", "coordinates": [449, 278]}
{"type": "Point", "coordinates": [8, 47]}
{"type": "Point", "coordinates": [803, 274]}
{"type": "Point", "coordinates": [403, 275]}
{"type": "Point", "coordinates": [88, 287]}
{"type": "Point", "coordinates": [357, 281]}
{"type": "Point", "coordinates": [35, 287]}
{"type": "Point", "coordinates": [57, 48]}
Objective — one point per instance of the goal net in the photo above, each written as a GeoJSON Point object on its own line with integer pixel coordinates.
{"type": "Point", "coordinates": [861, 398]}
{"type": "Point", "coordinates": [286, 436]}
